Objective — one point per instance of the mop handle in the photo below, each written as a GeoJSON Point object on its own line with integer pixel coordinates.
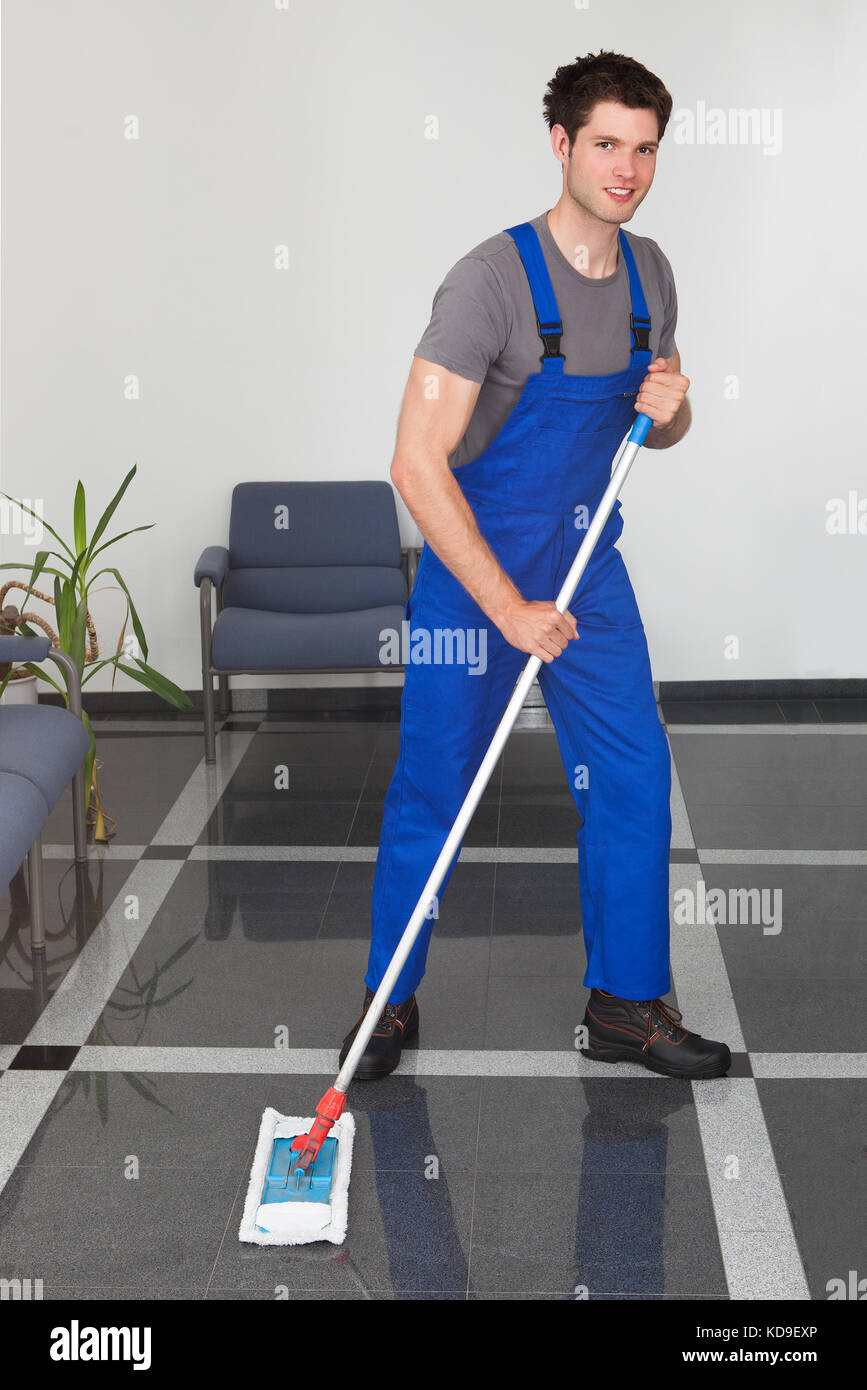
{"type": "Point", "coordinates": [621, 466]}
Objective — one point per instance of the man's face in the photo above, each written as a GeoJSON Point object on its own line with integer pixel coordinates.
{"type": "Point", "coordinates": [615, 150]}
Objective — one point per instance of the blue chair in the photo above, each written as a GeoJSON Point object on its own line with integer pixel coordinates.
{"type": "Point", "coordinates": [312, 575]}
{"type": "Point", "coordinates": [42, 747]}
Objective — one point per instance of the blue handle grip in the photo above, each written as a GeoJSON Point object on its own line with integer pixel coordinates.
{"type": "Point", "coordinates": [639, 430]}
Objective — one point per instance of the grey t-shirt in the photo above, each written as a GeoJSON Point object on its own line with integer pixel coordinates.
{"type": "Point", "coordinates": [483, 323]}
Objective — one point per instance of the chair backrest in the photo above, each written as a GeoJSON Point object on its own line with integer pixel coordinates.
{"type": "Point", "coordinates": [335, 523]}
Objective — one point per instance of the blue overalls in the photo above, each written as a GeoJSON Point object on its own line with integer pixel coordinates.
{"type": "Point", "coordinates": [533, 492]}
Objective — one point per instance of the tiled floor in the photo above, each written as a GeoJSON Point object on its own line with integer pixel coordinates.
{"type": "Point", "coordinates": [208, 962]}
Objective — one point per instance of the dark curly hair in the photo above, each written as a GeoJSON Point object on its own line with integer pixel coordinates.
{"type": "Point", "coordinates": [576, 87]}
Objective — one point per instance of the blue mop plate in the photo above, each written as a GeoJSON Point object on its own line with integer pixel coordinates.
{"type": "Point", "coordinates": [314, 1185]}
{"type": "Point", "coordinates": [282, 1208]}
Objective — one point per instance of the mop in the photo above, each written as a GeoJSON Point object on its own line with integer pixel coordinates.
{"type": "Point", "coordinates": [299, 1184]}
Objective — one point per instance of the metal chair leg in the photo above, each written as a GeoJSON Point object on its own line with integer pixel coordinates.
{"type": "Point", "coordinates": [37, 895]}
{"type": "Point", "coordinates": [207, 678]}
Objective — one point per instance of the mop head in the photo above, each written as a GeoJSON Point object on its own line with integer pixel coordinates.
{"type": "Point", "coordinates": [321, 1213]}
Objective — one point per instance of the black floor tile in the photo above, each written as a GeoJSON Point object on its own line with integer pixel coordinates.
{"type": "Point", "coordinates": [600, 1231]}
{"type": "Point", "coordinates": [842, 711]}
{"type": "Point", "coordinates": [722, 712]}
{"type": "Point", "coordinates": [817, 1132]}
{"type": "Point", "coordinates": [225, 960]}
{"type": "Point", "coordinates": [84, 1226]}
{"type": "Point", "coordinates": [406, 1232]}
{"type": "Point", "coordinates": [799, 1015]}
{"type": "Point", "coordinates": [800, 711]}
{"type": "Point", "coordinates": [595, 1125]}
{"type": "Point", "coordinates": [43, 1057]}
{"type": "Point", "coordinates": [140, 779]}
{"type": "Point", "coordinates": [284, 822]}
{"type": "Point", "coordinates": [75, 900]}
{"type": "Point", "coordinates": [550, 824]}
{"type": "Point", "coordinates": [482, 831]}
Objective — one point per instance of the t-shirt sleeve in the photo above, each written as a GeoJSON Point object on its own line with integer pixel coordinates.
{"type": "Point", "coordinates": [469, 323]}
{"type": "Point", "coordinates": [669, 302]}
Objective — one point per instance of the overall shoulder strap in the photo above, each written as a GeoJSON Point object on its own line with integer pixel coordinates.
{"type": "Point", "coordinates": [548, 320]}
{"type": "Point", "coordinates": [639, 318]}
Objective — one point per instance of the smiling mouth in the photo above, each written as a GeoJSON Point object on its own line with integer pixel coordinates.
{"type": "Point", "coordinates": [622, 195]}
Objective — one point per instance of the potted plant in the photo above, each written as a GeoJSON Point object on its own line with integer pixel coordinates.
{"type": "Point", "coordinates": [74, 577]}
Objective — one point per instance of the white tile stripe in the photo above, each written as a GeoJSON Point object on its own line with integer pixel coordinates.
{"type": "Point", "coordinates": [820, 857]}
{"type": "Point", "coordinates": [767, 729]}
{"type": "Point", "coordinates": [24, 1098]}
{"type": "Point", "coordinates": [78, 1002]}
{"type": "Point", "coordinates": [759, 1251]}
{"type": "Point", "coordinates": [75, 1007]}
{"type": "Point", "coordinates": [437, 1062]}
{"type": "Point", "coordinates": [507, 854]}
{"type": "Point", "coordinates": [824, 1066]}
{"type": "Point", "coordinates": [193, 809]}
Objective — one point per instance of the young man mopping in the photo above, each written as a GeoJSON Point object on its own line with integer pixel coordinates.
{"type": "Point", "coordinates": [543, 343]}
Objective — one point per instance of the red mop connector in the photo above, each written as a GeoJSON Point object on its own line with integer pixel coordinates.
{"type": "Point", "coordinates": [329, 1109]}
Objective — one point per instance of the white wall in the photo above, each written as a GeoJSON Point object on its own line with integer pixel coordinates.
{"type": "Point", "coordinates": [304, 125]}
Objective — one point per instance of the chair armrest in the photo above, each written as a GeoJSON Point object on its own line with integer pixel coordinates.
{"type": "Point", "coordinates": [16, 646]}
{"type": "Point", "coordinates": [213, 564]}
{"type": "Point", "coordinates": [19, 647]}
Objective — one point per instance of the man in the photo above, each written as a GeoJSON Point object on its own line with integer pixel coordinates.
{"type": "Point", "coordinates": [544, 342]}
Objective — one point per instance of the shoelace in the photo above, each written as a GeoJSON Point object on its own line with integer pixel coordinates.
{"type": "Point", "coordinates": [665, 1015]}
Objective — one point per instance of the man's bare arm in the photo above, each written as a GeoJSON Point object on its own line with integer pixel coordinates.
{"type": "Point", "coordinates": [437, 407]}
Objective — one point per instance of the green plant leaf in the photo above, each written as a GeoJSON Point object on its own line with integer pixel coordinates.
{"type": "Point", "coordinates": [65, 614]}
{"type": "Point", "coordinates": [39, 564]}
{"type": "Point", "coordinates": [89, 759]}
{"type": "Point", "coordinates": [159, 684]}
{"type": "Point", "coordinates": [38, 671]}
{"type": "Point", "coordinates": [78, 634]}
{"type": "Point", "coordinates": [79, 520]}
{"type": "Point", "coordinates": [14, 565]}
{"type": "Point", "coordinates": [95, 666]}
{"type": "Point", "coordinates": [109, 512]}
{"type": "Point", "coordinates": [137, 627]}
{"type": "Point", "coordinates": [93, 554]}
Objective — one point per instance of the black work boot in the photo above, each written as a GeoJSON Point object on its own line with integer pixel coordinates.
{"type": "Point", "coordinates": [650, 1032]}
{"type": "Point", "coordinates": [399, 1023]}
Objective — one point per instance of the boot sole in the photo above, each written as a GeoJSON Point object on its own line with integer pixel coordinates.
{"type": "Point", "coordinates": [702, 1071]}
{"type": "Point", "coordinates": [371, 1070]}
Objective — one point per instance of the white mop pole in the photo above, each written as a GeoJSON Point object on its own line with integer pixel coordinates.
{"type": "Point", "coordinates": [621, 466]}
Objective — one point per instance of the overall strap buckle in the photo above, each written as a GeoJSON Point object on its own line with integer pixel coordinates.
{"type": "Point", "coordinates": [640, 333]}
{"type": "Point", "coordinates": [550, 333]}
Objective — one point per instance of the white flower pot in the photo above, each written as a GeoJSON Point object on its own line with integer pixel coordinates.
{"type": "Point", "coordinates": [21, 692]}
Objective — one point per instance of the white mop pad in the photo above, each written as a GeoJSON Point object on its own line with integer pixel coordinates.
{"type": "Point", "coordinates": [297, 1223]}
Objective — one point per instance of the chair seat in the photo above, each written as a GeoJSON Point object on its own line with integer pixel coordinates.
{"type": "Point", "coordinates": [315, 588]}
{"type": "Point", "coordinates": [43, 743]}
{"type": "Point", "coordinates": [252, 639]}
{"type": "Point", "coordinates": [23, 812]}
